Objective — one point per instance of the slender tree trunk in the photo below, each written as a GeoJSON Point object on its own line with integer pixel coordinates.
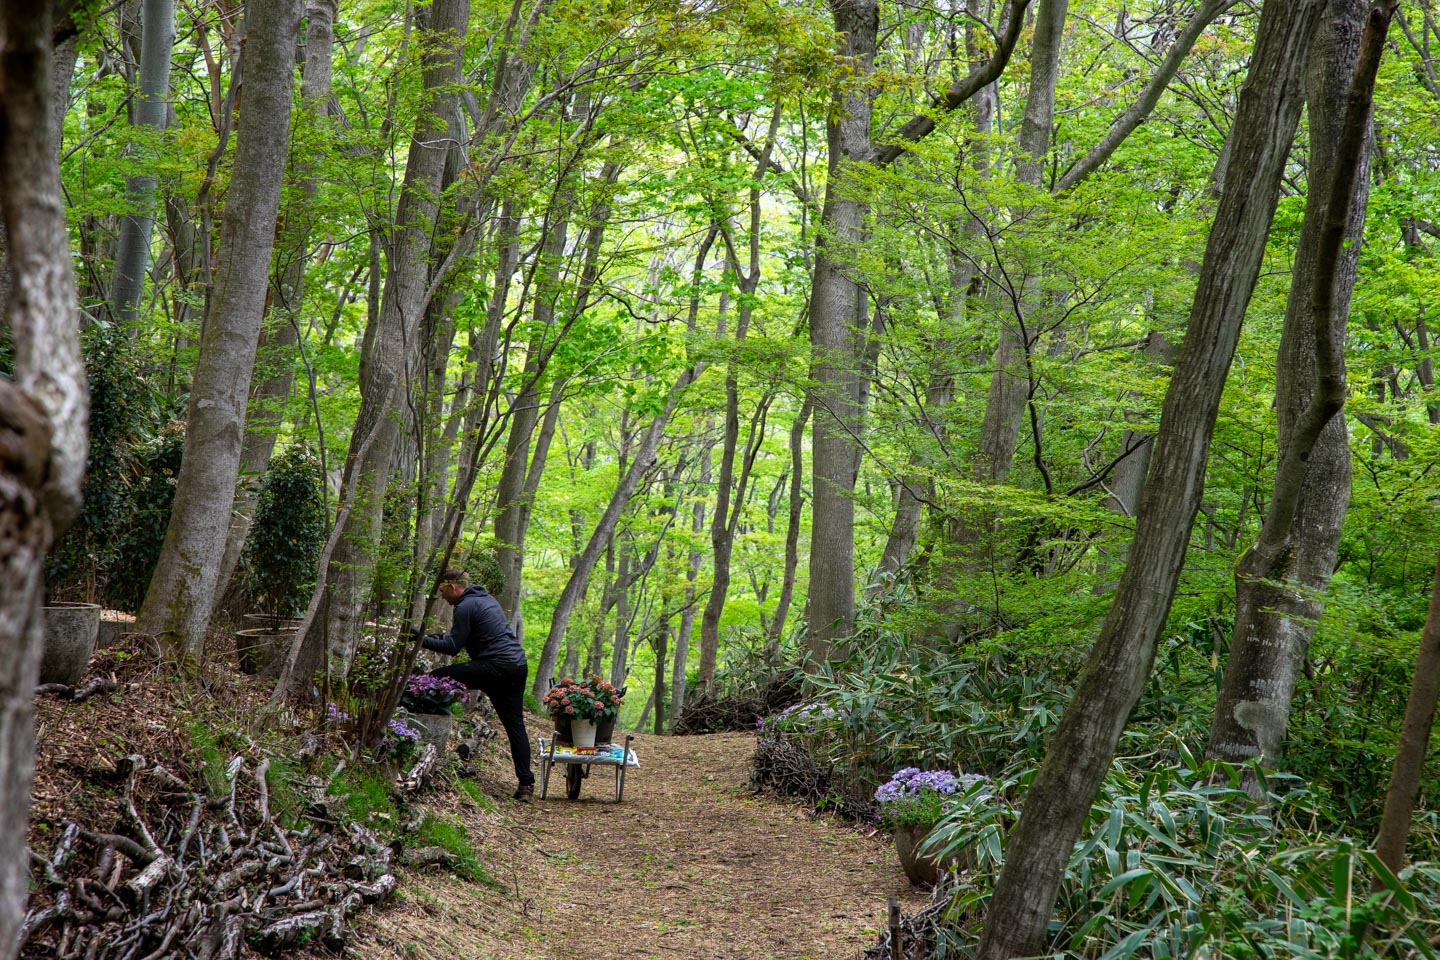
{"type": "Point", "coordinates": [389, 345]}
{"type": "Point", "coordinates": [1409, 764]}
{"type": "Point", "coordinates": [1082, 746]}
{"type": "Point", "coordinates": [692, 574]}
{"type": "Point", "coordinates": [792, 525]}
{"type": "Point", "coordinates": [620, 645]}
{"type": "Point", "coordinates": [133, 254]}
{"type": "Point", "coordinates": [1281, 581]}
{"type": "Point", "coordinates": [43, 416]}
{"type": "Point", "coordinates": [182, 591]}
{"type": "Point", "coordinates": [662, 638]}
{"type": "Point", "coordinates": [525, 412]}
{"type": "Point", "coordinates": [645, 455]}
{"type": "Point", "coordinates": [837, 322]}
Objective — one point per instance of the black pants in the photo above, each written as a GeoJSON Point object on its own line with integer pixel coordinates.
{"type": "Point", "coordinates": [505, 686]}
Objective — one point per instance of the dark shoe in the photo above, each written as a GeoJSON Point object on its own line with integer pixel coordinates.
{"type": "Point", "coordinates": [462, 750]}
{"type": "Point", "coordinates": [524, 793]}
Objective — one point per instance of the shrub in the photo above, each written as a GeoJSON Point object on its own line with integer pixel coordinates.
{"type": "Point", "coordinates": [1175, 864]}
{"type": "Point", "coordinates": [288, 533]}
{"type": "Point", "coordinates": [123, 409]}
{"type": "Point", "coordinates": [145, 516]}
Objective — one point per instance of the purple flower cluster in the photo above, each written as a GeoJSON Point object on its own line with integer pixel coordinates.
{"type": "Point", "coordinates": [427, 694]}
{"type": "Point", "coordinates": [425, 685]}
{"type": "Point", "coordinates": [914, 782]}
{"type": "Point", "coordinates": [797, 717]}
{"type": "Point", "coordinates": [401, 730]}
{"type": "Point", "coordinates": [335, 715]}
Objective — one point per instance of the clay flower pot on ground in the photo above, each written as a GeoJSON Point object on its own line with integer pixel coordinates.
{"type": "Point", "coordinates": [922, 868]}
{"type": "Point", "coordinates": [911, 803]}
{"type": "Point", "coordinates": [71, 630]}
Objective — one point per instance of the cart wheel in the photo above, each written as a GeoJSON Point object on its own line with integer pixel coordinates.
{"type": "Point", "coordinates": [572, 781]}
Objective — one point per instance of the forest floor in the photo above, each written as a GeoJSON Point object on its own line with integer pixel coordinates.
{"type": "Point", "coordinates": [691, 865]}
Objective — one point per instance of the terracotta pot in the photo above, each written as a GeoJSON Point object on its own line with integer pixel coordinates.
{"type": "Point", "coordinates": [71, 630]}
{"type": "Point", "coordinates": [920, 870]}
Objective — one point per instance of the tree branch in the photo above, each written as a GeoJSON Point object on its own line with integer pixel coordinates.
{"type": "Point", "coordinates": [1135, 114]}
{"type": "Point", "coordinates": [922, 124]}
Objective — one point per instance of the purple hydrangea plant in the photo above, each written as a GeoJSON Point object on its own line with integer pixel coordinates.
{"type": "Point", "coordinates": [427, 694]}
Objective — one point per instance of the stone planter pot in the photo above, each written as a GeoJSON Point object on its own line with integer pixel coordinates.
{"type": "Point", "coordinates": [112, 630]}
{"type": "Point", "coordinates": [920, 870]}
{"type": "Point", "coordinates": [261, 651]}
{"type": "Point", "coordinates": [71, 630]}
{"type": "Point", "coordinates": [433, 727]}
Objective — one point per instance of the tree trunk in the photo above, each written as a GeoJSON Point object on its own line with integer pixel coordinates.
{"type": "Point", "coordinates": [182, 591]}
{"type": "Point", "coordinates": [645, 455]}
{"type": "Point", "coordinates": [133, 253]}
{"type": "Point", "coordinates": [1082, 746]}
{"type": "Point", "coordinates": [43, 416]}
{"type": "Point", "coordinates": [1409, 764]}
{"type": "Point", "coordinates": [658, 697]}
{"type": "Point", "coordinates": [792, 526]}
{"type": "Point", "coordinates": [345, 579]}
{"type": "Point", "coordinates": [275, 354]}
{"type": "Point", "coordinates": [525, 412]}
{"type": "Point", "coordinates": [837, 319]}
{"type": "Point", "coordinates": [1281, 581]}
{"type": "Point", "coordinates": [692, 574]}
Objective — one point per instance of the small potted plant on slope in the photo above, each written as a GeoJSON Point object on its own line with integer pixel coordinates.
{"type": "Point", "coordinates": [432, 704]}
{"type": "Point", "coordinates": [911, 803]}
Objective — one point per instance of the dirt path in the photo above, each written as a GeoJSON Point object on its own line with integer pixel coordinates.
{"type": "Point", "coordinates": [690, 865]}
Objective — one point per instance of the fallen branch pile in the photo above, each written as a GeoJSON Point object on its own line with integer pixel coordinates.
{"type": "Point", "coordinates": [919, 935]}
{"type": "Point", "coordinates": [200, 876]}
{"type": "Point", "coordinates": [787, 768]}
{"type": "Point", "coordinates": [707, 713]}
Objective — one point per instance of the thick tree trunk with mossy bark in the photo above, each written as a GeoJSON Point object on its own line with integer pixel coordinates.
{"type": "Point", "coordinates": [1083, 745]}
{"type": "Point", "coordinates": [1281, 581]}
{"type": "Point", "coordinates": [43, 415]}
{"type": "Point", "coordinates": [837, 314]}
{"type": "Point", "coordinates": [182, 591]}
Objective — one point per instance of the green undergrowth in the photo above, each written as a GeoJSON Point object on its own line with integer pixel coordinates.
{"type": "Point", "coordinates": [451, 836]}
{"type": "Point", "coordinates": [364, 791]}
{"type": "Point", "coordinates": [1175, 859]}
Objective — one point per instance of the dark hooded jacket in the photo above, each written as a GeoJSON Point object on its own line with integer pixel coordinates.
{"type": "Point", "coordinates": [481, 630]}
